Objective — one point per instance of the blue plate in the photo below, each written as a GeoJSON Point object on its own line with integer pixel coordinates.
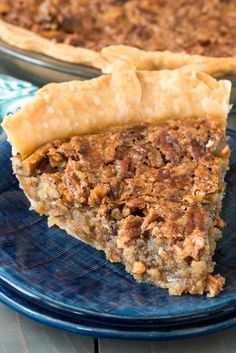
{"type": "Point", "coordinates": [60, 273]}
{"type": "Point", "coordinates": [32, 311]}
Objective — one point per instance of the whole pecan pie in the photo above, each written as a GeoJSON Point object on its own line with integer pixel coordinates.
{"type": "Point", "coordinates": [132, 164]}
{"type": "Point", "coordinates": [147, 34]}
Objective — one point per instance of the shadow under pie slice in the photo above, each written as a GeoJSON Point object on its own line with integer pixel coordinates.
{"type": "Point", "coordinates": [136, 170]}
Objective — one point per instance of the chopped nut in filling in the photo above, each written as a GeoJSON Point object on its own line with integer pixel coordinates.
{"type": "Point", "coordinates": [148, 195]}
{"type": "Point", "coordinates": [204, 27]}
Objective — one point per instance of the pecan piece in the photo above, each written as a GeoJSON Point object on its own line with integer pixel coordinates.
{"type": "Point", "coordinates": [135, 204]}
{"type": "Point", "coordinates": [214, 284]}
{"type": "Point", "coordinates": [122, 168]}
{"type": "Point", "coordinates": [162, 174]}
{"type": "Point", "coordinates": [196, 150]}
{"type": "Point", "coordinates": [131, 227]}
{"type": "Point", "coordinates": [68, 150]}
{"type": "Point", "coordinates": [155, 159]}
{"type": "Point", "coordinates": [195, 219]}
{"type": "Point", "coordinates": [137, 153]}
{"type": "Point", "coordinates": [97, 194]}
{"type": "Point", "coordinates": [29, 165]}
{"type": "Point", "coordinates": [91, 154]}
{"type": "Point", "coordinates": [75, 183]}
{"type": "Point", "coordinates": [152, 216]}
{"type": "Point", "coordinates": [170, 147]}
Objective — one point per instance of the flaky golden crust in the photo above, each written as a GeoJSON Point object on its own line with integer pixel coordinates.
{"type": "Point", "coordinates": [25, 39]}
{"type": "Point", "coordinates": [115, 57]}
{"type": "Point", "coordinates": [80, 107]}
{"type": "Point", "coordinates": [123, 57]}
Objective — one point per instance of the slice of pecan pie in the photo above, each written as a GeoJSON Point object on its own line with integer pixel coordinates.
{"type": "Point", "coordinates": [132, 164]}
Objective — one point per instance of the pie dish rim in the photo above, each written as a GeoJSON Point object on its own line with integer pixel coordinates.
{"type": "Point", "coordinates": [115, 57]}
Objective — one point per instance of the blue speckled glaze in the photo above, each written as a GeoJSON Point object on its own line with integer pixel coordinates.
{"type": "Point", "coordinates": [61, 273]}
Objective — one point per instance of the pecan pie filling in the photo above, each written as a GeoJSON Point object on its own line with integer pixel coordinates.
{"type": "Point", "coordinates": [148, 195]}
{"type": "Point", "coordinates": [197, 27]}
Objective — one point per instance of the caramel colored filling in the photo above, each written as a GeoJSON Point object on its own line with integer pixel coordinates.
{"type": "Point", "coordinates": [149, 196]}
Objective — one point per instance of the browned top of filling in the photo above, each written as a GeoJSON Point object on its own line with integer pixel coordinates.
{"type": "Point", "coordinates": [144, 174]}
{"type": "Point", "coordinates": [205, 27]}
{"type": "Point", "coordinates": [153, 192]}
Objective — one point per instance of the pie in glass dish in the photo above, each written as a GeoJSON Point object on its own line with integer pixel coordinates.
{"type": "Point", "coordinates": [133, 164]}
{"type": "Point", "coordinates": [111, 34]}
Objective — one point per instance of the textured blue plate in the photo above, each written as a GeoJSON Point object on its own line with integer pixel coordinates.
{"type": "Point", "coordinates": [32, 311]}
{"type": "Point", "coordinates": [59, 272]}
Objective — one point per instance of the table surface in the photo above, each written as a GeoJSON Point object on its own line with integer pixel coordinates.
{"type": "Point", "coordinates": [19, 334]}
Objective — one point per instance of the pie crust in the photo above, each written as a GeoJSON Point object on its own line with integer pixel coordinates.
{"type": "Point", "coordinates": [116, 57]}
{"type": "Point", "coordinates": [133, 164]}
{"type": "Point", "coordinates": [81, 107]}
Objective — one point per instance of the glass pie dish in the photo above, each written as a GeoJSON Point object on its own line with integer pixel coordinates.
{"type": "Point", "coordinates": [40, 69]}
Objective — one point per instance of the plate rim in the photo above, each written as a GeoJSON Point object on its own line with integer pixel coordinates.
{"type": "Point", "coordinates": [86, 328]}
